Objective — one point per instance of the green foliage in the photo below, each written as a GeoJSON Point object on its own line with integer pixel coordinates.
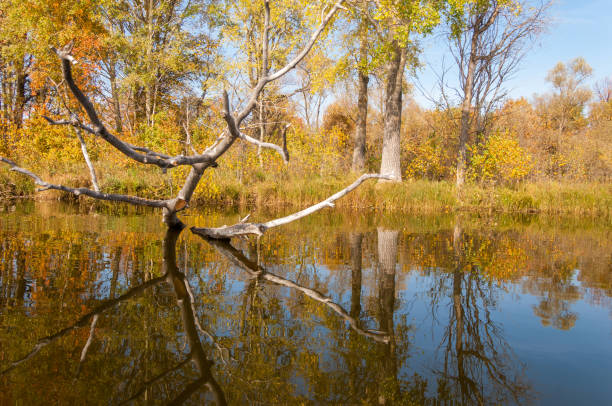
{"type": "Point", "coordinates": [460, 12]}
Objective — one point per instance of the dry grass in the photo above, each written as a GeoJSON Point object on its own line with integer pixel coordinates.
{"type": "Point", "coordinates": [592, 199]}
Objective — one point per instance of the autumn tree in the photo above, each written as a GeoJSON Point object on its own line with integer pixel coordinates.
{"type": "Point", "coordinates": [600, 110]}
{"type": "Point", "coordinates": [152, 50]}
{"type": "Point", "coordinates": [197, 162]}
{"type": "Point", "coordinates": [304, 87]}
{"type": "Point", "coordinates": [564, 108]}
{"type": "Point", "coordinates": [397, 26]}
{"type": "Point", "coordinates": [357, 58]}
{"type": "Point", "coordinates": [25, 28]}
{"type": "Point", "coordinates": [359, 149]}
{"type": "Point", "coordinates": [488, 39]}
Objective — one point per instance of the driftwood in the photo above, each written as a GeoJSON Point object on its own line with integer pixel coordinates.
{"type": "Point", "coordinates": [199, 162]}
{"type": "Point", "coordinates": [257, 271]}
{"type": "Point", "coordinates": [242, 228]}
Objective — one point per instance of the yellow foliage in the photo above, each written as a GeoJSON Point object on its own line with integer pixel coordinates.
{"type": "Point", "coordinates": [323, 153]}
{"type": "Point", "coordinates": [500, 160]}
{"type": "Point", "coordinates": [430, 160]}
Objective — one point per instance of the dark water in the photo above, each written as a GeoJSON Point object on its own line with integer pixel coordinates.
{"type": "Point", "coordinates": [339, 308]}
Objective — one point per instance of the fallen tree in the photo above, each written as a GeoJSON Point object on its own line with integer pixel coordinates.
{"type": "Point", "coordinates": [199, 162]}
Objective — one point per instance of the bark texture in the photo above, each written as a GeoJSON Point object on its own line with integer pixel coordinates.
{"type": "Point", "coordinates": [359, 151]}
{"type": "Point", "coordinates": [391, 150]}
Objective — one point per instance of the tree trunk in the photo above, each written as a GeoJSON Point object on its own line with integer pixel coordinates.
{"type": "Point", "coordinates": [149, 104]}
{"type": "Point", "coordinates": [115, 95]}
{"type": "Point", "coordinates": [2, 103]}
{"type": "Point", "coordinates": [149, 87]}
{"type": "Point", "coordinates": [466, 111]}
{"type": "Point", "coordinates": [184, 195]}
{"type": "Point", "coordinates": [262, 128]}
{"type": "Point", "coordinates": [390, 163]}
{"type": "Point", "coordinates": [3, 110]}
{"type": "Point", "coordinates": [359, 150]}
{"type": "Point", "coordinates": [19, 98]}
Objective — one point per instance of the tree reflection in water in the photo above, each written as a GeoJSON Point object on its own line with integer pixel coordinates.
{"type": "Point", "coordinates": [184, 299]}
{"type": "Point", "coordinates": [479, 366]}
{"type": "Point", "coordinates": [319, 318]}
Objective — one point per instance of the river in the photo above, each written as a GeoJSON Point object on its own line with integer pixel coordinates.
{"type": "Point", "coordinates": [108, 307]}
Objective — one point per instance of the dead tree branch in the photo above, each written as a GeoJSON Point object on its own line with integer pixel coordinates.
{"type": "Point", "coordinates": [92, 171]}
{"type": "Point", "coordinates": [284, 153]}
{"type": "Point", "coordinates": [198, 162]}
{"type": "Point", "coordinates": [227, 232]}
{"type": "Point", "coordinates": [84, 191]}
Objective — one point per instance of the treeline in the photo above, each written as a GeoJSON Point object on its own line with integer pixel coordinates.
{"type": "Point", "coordinates": [563, 135]}
{"type": "Point", "coordinates": [156, 69]}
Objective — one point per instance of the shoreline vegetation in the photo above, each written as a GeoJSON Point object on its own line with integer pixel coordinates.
{"type": "Point", "coordinates": [409, 196]}
{"type": "Point", "coordinates": [276, 101]}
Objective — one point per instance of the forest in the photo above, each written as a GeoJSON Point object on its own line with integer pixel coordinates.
{"type": "Point", "coordinates": [341, 102]}
{"type": "Point", "coordinates": [454, 242]}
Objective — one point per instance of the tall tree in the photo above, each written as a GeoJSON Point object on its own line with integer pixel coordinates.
{"type": "Point", "coordinates": [27, 28]}
{"type": "Point", "coordinates": [488, 39]}
{"type": "Point", "coordinates": [288, 24]}
{"type": "Point", "coordinates": [397, 24]}
{"type": "Point", "coordinates": [359, 148]}
{"type": "Point", "coordinates": [156, 48]}
{"type": "Point", "coordinates": [564, 108]}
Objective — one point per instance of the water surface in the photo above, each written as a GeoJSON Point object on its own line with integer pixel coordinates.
{"type": "Point", "coordinates": [339, 308]}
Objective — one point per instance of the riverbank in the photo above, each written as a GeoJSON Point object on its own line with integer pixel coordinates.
{"type": "Point", "coordinates": [587, 199]}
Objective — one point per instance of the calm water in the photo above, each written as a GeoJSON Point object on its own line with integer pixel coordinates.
{"type": "Point", "coordinates": [339, 308]}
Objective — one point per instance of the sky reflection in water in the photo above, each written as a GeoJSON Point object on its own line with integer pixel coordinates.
{"type": "Point", "coordinates": [339, 308]}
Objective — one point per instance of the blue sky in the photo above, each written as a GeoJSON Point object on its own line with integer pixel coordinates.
{"type": "Point", "coordinates": [578, 28]}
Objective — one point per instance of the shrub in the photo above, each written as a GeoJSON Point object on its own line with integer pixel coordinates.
{"type": "Point", "coordinates": [499, 160]}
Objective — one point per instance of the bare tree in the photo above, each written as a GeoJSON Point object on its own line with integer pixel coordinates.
{"type": "Point", "coordinates": [199, 162]}
{"type": "Point", "coordinates": [488, 40]}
